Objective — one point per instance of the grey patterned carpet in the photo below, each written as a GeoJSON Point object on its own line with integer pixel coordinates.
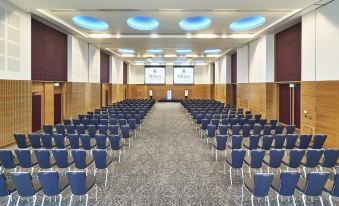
{"type": "Point", "coordinates": [167, 164]}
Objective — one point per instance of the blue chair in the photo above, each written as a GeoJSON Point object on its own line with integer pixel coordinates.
{"type": "Point", "coordinates": [122, 122]}
{"type": "Point", "coordinates": [246, 129]}
{"type": "Point", "coordinates": [291, 140]}
{"type": "Point", "coordinates": [279, 141]}
{"type": "Point", "coordinates": [221, 141]}
{"type": "Point", "coordinates": [126, 134]}
{"type": "Point", "coordinates": [223, 129]}
{"type": "Point", "coordinates": [236, 129]}
{"type": "Point", "coordinates": [113, 121]}
{"type": "Point", "coordinates": [6, 188]}
{"type": "Point", "coordinates": [330, 160]}
{"type": "Point", "coordinates": [81, 129]}
{"type": "Point", "coordinates": [255, 160]}
{"type": "Point", "coordinates": [103, 129]}
{"type": "Point", "coordinates": [35, 140]}
{"type": "Point", "coordinates": [81, 160]}
{"type": "Point", "coordinates": [70, 128]}
{"type": "Point", "coordinates": [115, 144]}
{"type": "Point", "coordinates": [279, 129]}
{"type": "Point", "coordinates": [133, 126]}
{"type": "Point", "coordinates": [113, 130]}
{"type": "Point", "coordinates": [60, 141]}
{"type": "Point", "coordinates": [273, 123]}
{"type": "Point", "coordinates": [258, 187]}
{"type": "Point", "coordinates": [7, 160]}
{"type": "Point", "coordinates": [263, 122]}
{"type": "Point", "coordinates": [257, 118]}
{"type": "Point", "coordinates": [87, 142]}
{"type": "Point", "coordinates": [104, 122]}
{"type": "Point", "coordinates": [26, 160]}
{"type": "Point", "coordinates": [60, 129]}
{"type": "Point", "coordinates": [44, 159]}
{"type": "Point", "coordinates": [312, 159]}
{"type": "Point", "coordinates": [81, 184]}
{"type": "Point", "coordinates": [274, 159]}
{"type": "Point", "coordinates": [252, 142]}
{"type": "Point", "coordinates": [313, 185]}
{"type": "Point", "coordinates": [25, 185]}
{"type": "Point", "coordinates": [204, 124]}
{"type": "Point", "coordinates": [138, 120]}
{"type": "Point", "coordinates": [290, 129]}
{"type": "Point", "coordinates": [76, 122]}
{"type": "Point", "coordinates": [67, 122]}
{"type": "Point", "coordinates": [285, 185]}
{"type": "Point", "coordinates": [52, 184]}
{"type": "Point", "coordinates": [332, 188]}
{"type": "Point", "coordinates": [92, 130]}
{"type": "Point", "coordinates": [102, 161]}
{"type": "Point", "coordinates": [215, 122]}
{"type": "Point", "coordinates": [74, 141]}
{"type": "Point", "coordinates": [266, 142]}
{"type": "Point", "coordinates": [304, 141]}
{"type": "Point", "coordinates": [257, 129]}
{"type": "Point", "coordinates": [48, 129]}
{"type": "Point", "coordinates": [211, 131]}
{"type": "Point", "coordinates": [93, 122]}
{"type": "Point", "coordinates": [318, 141]}
{"type": "Point", "coordinates": [235, 161]}
{"type": "Point", "coordinates": [21, 141]}
{"type": "Point", "coordinates": [101, 141]}
{"type": "Point", "coordinates": [267, 129]}
{"type": "Point", "coordinates": [293, 160]}
{"type": "Point", "coordinates": [62, 159]}
{"type": "Point", "coordinates": [47, 141]}
{"type": "Point", "coordinates": [236, 142]}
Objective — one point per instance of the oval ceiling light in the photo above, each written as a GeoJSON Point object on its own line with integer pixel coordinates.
{"type": "Point", "coordinates": [143, 23]}
{"type": "Point", "coordinates": [247, 23]}
{"type": "Point", "coordinates": [183, 51]}
{"type": "Point", "coordinates": [155, 51]}
{"type": "Point", "coordinates": [125, 51]}
{"type": "Point", "coordinates": [90, 23]}
{"type": "Point", "coordinates": [212, 51]}
{"type": "Point", "coordinates": [194, 23]}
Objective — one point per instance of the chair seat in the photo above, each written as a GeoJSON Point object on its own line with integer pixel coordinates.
{"type": "Point", "coordinates": [229, 160]}
{"type": "Point", "coordinates": [246, 143]}
{"type": "Point", "coordinates": [266, 159]}
{"type": "Point", "coordinates": [247, 160]}
{"type": "Point", "coordinates": [276, 184]}
{"type": "Point", "coordinates": [10, 186]}
{"type": "Point", "coordinates": [249, 184]}
{"type": "Point", "coordinates": [286, 160]}
{"type": "Point", "coordinates": [329, 186]}
{"type": "Point", "coordinates": [301, 185]}
{"type": "Point", "coordinates": [90, 182]}
{"type": "Point", "coordinates": [93, 143]}
{"type": "Point", "coordinates": [63, 183]}
{"type": "Point", "coordinates": [109, 160]}
{"type": "Point", "coordinates": [67, 143]}
{"type": "Point", "coordinates": [36, 185]}
{"type": "Point", "coordinates": [89, 160]}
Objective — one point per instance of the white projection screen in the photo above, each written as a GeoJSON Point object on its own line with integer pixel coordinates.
{"type": "Point", "coordinates": [183, 75]}
{"type": "Point", "coordinates": [155, 75]}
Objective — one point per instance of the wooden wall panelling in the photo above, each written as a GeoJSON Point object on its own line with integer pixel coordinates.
{"type": "Point", "coordinates": [271, 101]}
{"type": "Point", "coordinates": [94, 96]}
{"type": "Point", "coordinates": [243, 95]}
{"type": "Point", "coordinates": [76, 99]}
{"type": "Point", "coordinates": [257, 98]}
{"type": "Point", "coordinates": [15, 109]}
{"type": "Point", "coordinates": [308, 104]}
{"type": "Point", "coordinates": [118, 92]}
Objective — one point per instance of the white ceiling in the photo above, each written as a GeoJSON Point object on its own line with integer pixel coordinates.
{"type": "Point", "coordinates": [168, 13]}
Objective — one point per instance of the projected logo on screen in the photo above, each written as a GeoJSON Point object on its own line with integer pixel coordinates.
{"type": "Point", "coordinates": [154, 75]}
{"type": "Point", "coordinates": [183, 75]}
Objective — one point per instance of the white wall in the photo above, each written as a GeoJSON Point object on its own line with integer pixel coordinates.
{"type": "Point", "coordinates": [223, 70]}
{"type": "Point", "coordinates": [136, 74]}
{"type": "Point", "coordinates": [78, 67]}
{"type": "Point", "coordinates": [15, 43]}
{"type": "Point", "coordinates": [242, 64]}
{"type": "Point", "coordinates": [94, 64]}
{"type": "Point", "coordinates": [320, 43]}
{"type": "Point", "coordinates": [116, 70]}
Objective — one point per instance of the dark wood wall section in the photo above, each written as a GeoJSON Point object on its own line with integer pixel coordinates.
{"type": "Point", "coordinates": [104, 67]}
{"type": "Point", "coordinates": [125, 73]}
{"type": "Point", "coordinates": [297, 105]}
{"type": "Point", "coordinates": [288, 54]}
{"type": "Point", "coordinates": [57, 108]}
{"type": "Point", "coordinates": [36, 113]}
{"type": "Point", "coordinates": [284, 104]}
{"type": "Point", "coordinates": [49, 53]}
{"type": "Point", "coordinates": [234, 68]}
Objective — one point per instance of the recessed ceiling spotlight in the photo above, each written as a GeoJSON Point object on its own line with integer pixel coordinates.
{"type": "Point", "coordinates": [194, 23]}
{"type": "Point", "coordinates": [247, 23]}
{"type": "Point", "coordinates": [183, 51]}
{"type": "Point", "coordinates": [155, 51]}
{"type": "Point", "coordinates": [143, 23]}
{"type": "Point", "coordinates": [212, 51]}
{"type": "Point", "coordinates": [125, 51]}
{"type": "Point", "coordinates": [90, 23]}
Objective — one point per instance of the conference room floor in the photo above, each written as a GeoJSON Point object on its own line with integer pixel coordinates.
{"type": "Point", "coordinates": [168, 165]}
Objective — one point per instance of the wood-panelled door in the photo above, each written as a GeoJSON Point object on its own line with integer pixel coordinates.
{"type": "Point", "coordinates": [289, 104]}
{"type": "Point", "coordinates": [36, 113]}
{"type": "Point", "coordinates": [57, 108]}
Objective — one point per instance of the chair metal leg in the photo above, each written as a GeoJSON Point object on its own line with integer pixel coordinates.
{"type": "Point", "coordinates": [106, 177]}
{"type": "Point", "coordinates": [34, 200]}
{"type": "Point", "coordinates": [252, 201]}
{"type": "Point", "coordinates": [17, 202]}
{"type": "Point", "coordinates": [242, 175]}
{"type": "Point", "coordinates": [71, 199]}
{"type": "Point", "coordinates": [216, 155]}
{"type": "Point", "coordinates": [321, 201]}
{"type": "Point", "coordinates": [293, 198]}
{"type": "Point", "coordinates": [43, 200]}
{"type": "Point", "coordinates": [224, 167]}
{"type": "Point", "coordinates": [330, 200]}
{"type": "Point", "coordinates": [60, 199]}
{"type": "Point", "coordinates": [9, 200]}
{"type": "Point", "coordinates": [268, 200]}
{"type": "Point", "coordinates": [304, 199]}
{"type": "Point", "coordinates": [231, 175]}
{"type": "Point", "coordinates": [119, 155]}
{"type": "Point", "coordinates": [278, 202]}
{"type": "Point", "coordinates": [242, 194]}
{"type": "Point", "coordinates": [96, 193]}
{"type": "Point", "coordinates": [86, 199]}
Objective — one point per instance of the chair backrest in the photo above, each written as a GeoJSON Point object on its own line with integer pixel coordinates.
{"type": "Point", "coordinates": [315, 182]}
{"type": "Point", "coordinates": [273, 122]}
{"type": "Point", "coordinates": [132, 123]}
{"type": "Point", "coordinates": [20, 140]}
{"type": "Point", "coordinates": [257, 129]}
{"type": "Point", "coordinates": [313, 157]}
{"type": "Point", "coordinates": [77, 181]}
{"type": "Point", "coordinates": [236, 129]}
{"type": "Point", "coordinates": [23, 183]}
{"type": "Point", "coordinates": [122, 122]}
{"type": "Point", "coordinates": [79, 157]}
{"type": "Point", "coordinates": [92, 129]}
{"type": "Point", "coordinates": [49, 182]}
{"type": "Point", "coordinates": [237, 141]}
{"type": "Point", "coordinates": [24, 157]}
{"type": "Point", "coordinates": [279, 129]}
{"type": "Point", "coordinates": [3, 186]}
{"type": "Point", "coordinates": [267, 129]}
{"type": "Point", "coordinates": [291, 140]}
{"type": "Point", "coordinates": [288, 183]}
{"type": "Point", "coordinates": [115, 142]}
{"type": "Point", "coordinates": [246, 129]}
{"type": "Point", "coordinates": [48, 129]}
{"type": "Point", "coordinates": [43, 157]}
{"type": "Point", "coordinates": [204, 123]}
{"type": "Point", "coordinates": [296, 155]}
{"type": "Point", "coordinates": [319, 141]}
{"type": "Point", "coordinates": [113, 129]}
{"type": "Point", "coordinates": [6, 158]}
{"type": "Point", "coordinates": [262, 184]}
{"type": "Point", "coordinates": [103, 129]}
{"type": "Point", "coordinates": [290, 129]}
{"type": "Point", "coordinates": [254, 141]}
{"type": "Point", "coordinates": [35, 140]}
{"type": "Point", "coordinates": [211, 129]}
{"type": "Point", "coordinates": [330, 158]}
{"type": "Point", "coordinates": [113, 121]}
{"type": "Point", "coordinates": [100, 141]}
{"type": "Point", "coordinates": [74, 141]}
{"type": "Point", "coordinates": [223, 129]}
{"type": "Point", "coordinates": [85, 141]}
{"type": "Point", "coordinates": [267, 141]}
{"type": "Point", "coordinates": [263, 122]}
{"type": "Point", "coordinates": [67, 121]}
{"type": "Point", "coordinates": [276, 156]}
{"type": "Point", "coordinates": [61, 157]}
{"type": "Point", "coordinates": [257, 157]}
{"type": "Point", "coordinates": [125, 131]}
{"type": "Point", "coordinates": [46, 141]}
{"type": "Point", "coordinates": [60, 129]}
{"type": "Point", "coordinates": [81, 129]}
{"type": "Point", "coordinates": [257, 117]}
{"type": "Point", "coordinates": [221, 142]}
{"type": "Point", "coordinates": [70, 128]}
{"type": "Point", "coordinates": [99, 156]}
{"type": "Point", "coordinates": [279, 141]}
{"type": "Point", "coordinates": [238, 156]}
{"type": "Point", "coordinates": [59, 140]}
{"type": "Point", "coordinates": [305, 140]}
